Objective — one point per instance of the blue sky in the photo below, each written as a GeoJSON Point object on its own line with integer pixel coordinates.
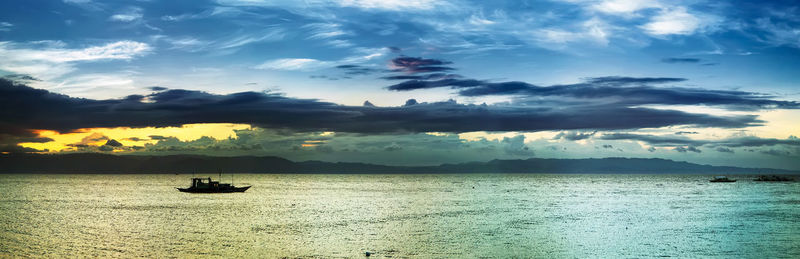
{"type": "Point", "coordinates": [345, 52]}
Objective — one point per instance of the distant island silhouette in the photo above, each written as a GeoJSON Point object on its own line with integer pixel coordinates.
{"type": "Point", "coordinates": [137, 164]}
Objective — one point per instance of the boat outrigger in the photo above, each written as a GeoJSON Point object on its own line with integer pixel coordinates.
{"type": "Point", "coordinates": [206, 185]}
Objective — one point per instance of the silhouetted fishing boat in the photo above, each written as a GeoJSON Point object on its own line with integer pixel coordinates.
{"type": "Point", "coordinates": [721, 179]}
{"type": "Point", "coordinates": [206, 185]}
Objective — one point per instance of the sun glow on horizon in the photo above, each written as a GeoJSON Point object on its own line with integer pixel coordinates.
{"type": "Point", "coordinates": [129, 137]}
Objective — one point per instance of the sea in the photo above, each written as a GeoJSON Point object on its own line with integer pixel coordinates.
{"type": "Point", "coordinates": [399, 216]}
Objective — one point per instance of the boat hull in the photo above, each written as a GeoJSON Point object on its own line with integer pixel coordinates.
{"type": "Point", "coordinates": [214, 190]}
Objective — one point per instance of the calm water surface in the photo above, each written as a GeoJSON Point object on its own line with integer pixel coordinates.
{"type": "Point", "coordinates": [429, 216]}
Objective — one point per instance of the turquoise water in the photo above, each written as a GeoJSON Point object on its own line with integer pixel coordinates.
{"type": "Point", "coordinates": [425, 216]}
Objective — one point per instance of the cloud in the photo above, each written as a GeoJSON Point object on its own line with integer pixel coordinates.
{"type": "Point", "coordinates": [9, 142]}
{"type": "Point", "coordinates": [361, 55]}
{"type": "Point", "coordinates": [652, 139]}
{"type": "Point", "coordinates": [392, 4]}
{"type": "Point", "coordinates": [593, 30]}
{"type": "Point", "coordinates": [48, 60]}
{"type": "Point", "coordinates": [329, 32]}
{"type": "Point", "coordinates": [614, 20]}
{"type": "Point", "coordinates": [393, 147]}
{"type": "Point", "coordinates": [387, 5]}
{"type": "Point", "coordinates": [132, 14]}
{"type": "Point", "coordinates": [423, 84]}
{"type": "Point", "coordinates": [724, 150]}
{"type": "Point", "coordinates": [268, 35]}
{"type": "Point", "coordinates": [96, 83]}
{"type": "Point", "coordinates": [21, 78]}
{"type": "Point", "coordinates": [687, 149]}
{"type": "Point", "coordinates": [368, 5]}
{"type": "Point", "coordinates": [94, 139]}
{"type": "Point", "coordinates": [86, 4]}
{"type": "Point", "coordinates": [778, 32]}
{"type": "Point", "coordinates": [431, 76]}
{"type": "Point", "coordinates": [624, 7]}
{"type": "Point", "coordinates": [681, 60]}
{"type": "Point", "coordinates": [188, 44]}
{"type": "Point", "coordinates": [752, 141]}
{"type": "Point", "coordinates": [516, 146]}
{"type": "Point", "coordinates": [610, 90]}
{"type": "Point", "coordinates": [775, 152]}
{"type": "Point", "coordinates": [27, 108]}
{"type": "Point", "coordinates": [414, 148]}
{"type": "Point", "coordinates": [225, 44]}
{"type": "Point", "coordinates": [116, 50]}
{"type": "Point", "coordinates": [415, 65]}
{"type": "Point", "coordinates": [624, 81]}
{"type": "Point", "coordinates": [673, 21]}
{"type": "Point", "coordinates": [357, 69]}
{"type": "Point", "coordinates": [732, 142]}
{"type": "Point", "coordinates": [574, 135]}
{"type": "Point", "coordinates": [97, 142]}
{"type": "Point", "coordinates": [6, 26]}
{"type": "Point", "coordinates": [292, 64]}
{"type": "Point", "coordinates": [325, 30]}
{"type": "Point", "coordinates": [419, 73]}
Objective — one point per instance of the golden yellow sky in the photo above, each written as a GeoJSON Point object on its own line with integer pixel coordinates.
{"type": "Point", "coordinates": [124, 134]}
{"type": "Point", "coordinates": [779, 124]}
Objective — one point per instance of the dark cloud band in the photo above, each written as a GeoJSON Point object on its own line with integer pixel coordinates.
{"type": "Point", "coordinates": [22, 107]}
{"type": "Point", "coordinates": [621, 91]}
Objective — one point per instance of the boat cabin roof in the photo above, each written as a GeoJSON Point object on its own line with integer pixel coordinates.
{"type": "Point", "coordinates": [202, 179]}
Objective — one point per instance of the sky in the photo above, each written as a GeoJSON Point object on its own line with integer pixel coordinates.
{"type": "Point", "coordinates": [415, 82]}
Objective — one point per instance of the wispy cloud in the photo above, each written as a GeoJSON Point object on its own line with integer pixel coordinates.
{"type": "Point", "coordinates": [52, 59]}
{"type": "Point", "coordinates": [778, 33]}
{"type": "Point", "coordinates": [393, 4]}
{"type": "Point", "coordinates": [130, 15]}
{"type": "Point", "coordinates": [269, 35]}
{"type": "Point", "coordinates": [6, 26]}
{"type": "Point", "coordinates": [360, 55]}
{"type": "Point", "coordinates": [661, 18]}
{"type": "Point", "coordinates": [95, 85]}
{"type": "Point", "coordinates": [325, 30]}
{"type": "Point", "coordinates": [293, 64]}
{"type": "Point", "coordinates": [593, 30]}
{"type": "Point", "coordinates": [86, 4]}
{"type": "Point", "coordinates": [624, 7]}
{"type": "Point", "coordinates": [330, 33]}
{"type": "Point", "coordinates": [386, 5]}
{"type": "Point", "coordinates": [677, 21]}
{"type": "Point", "coordinates": [189, 44]}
